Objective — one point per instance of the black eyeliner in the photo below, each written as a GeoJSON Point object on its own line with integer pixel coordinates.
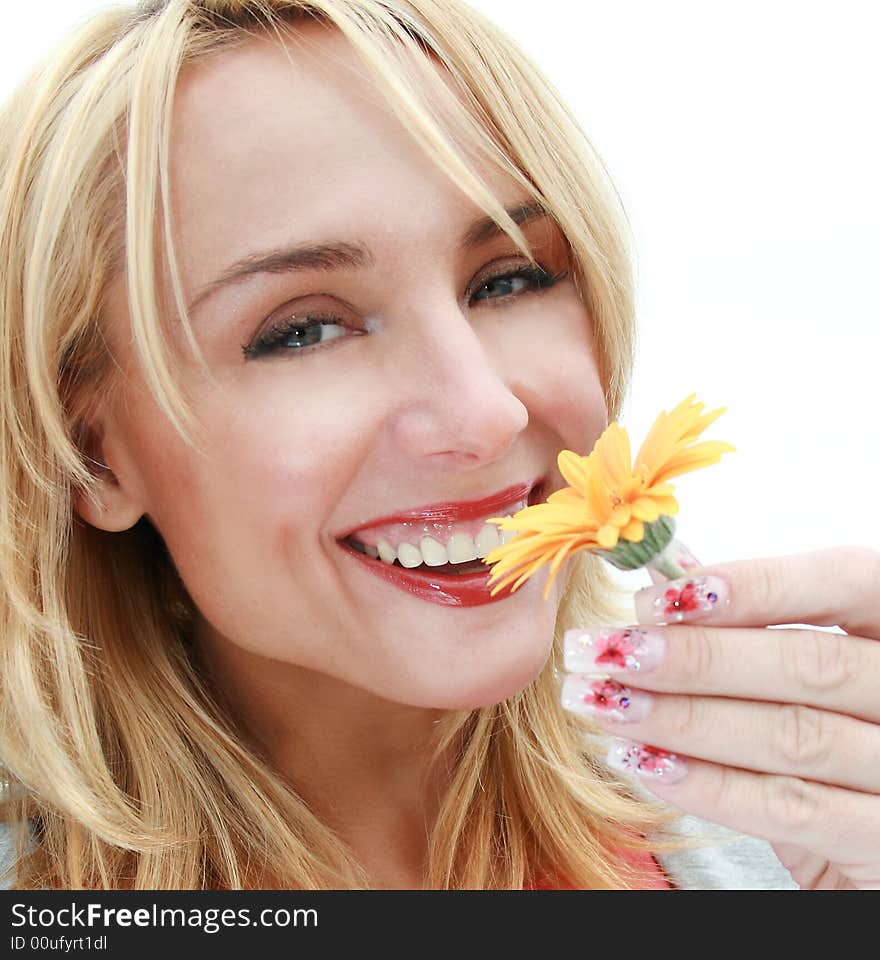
{"type": "Point", "coordinates": [266, 343]}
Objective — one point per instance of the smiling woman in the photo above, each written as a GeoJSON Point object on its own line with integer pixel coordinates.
{"type": "Point", "coordinates": [238, 538]}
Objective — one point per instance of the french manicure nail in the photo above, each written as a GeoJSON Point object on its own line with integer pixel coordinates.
{"type": "Point", "coordinates": [604, 698]}
{"type": "Point", "coordinates": [681, 600]}
{"type": "Point", "coordinates": [648, 762]}
{"type": "Point", "coordinates": [612, 650]}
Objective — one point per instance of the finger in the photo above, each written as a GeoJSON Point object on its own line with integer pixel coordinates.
{"type": "Point", "coordinates": [789, 740]}
{"type": "Point", "coordinates": [807, 869]}
{"type": "Point", "coordinates": [679, 554]}
{"type": "Point", "coordinates": [838, 824]}
{"type": "Point", "coordinates": [831, 671]}
{"type": "Point", "coordinates": [831, 587]}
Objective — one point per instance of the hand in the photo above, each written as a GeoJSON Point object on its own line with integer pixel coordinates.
{"type": "Point", "coordinates": [774, 733]}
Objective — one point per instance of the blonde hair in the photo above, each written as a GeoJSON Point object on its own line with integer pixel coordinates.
{"type": "Point", "coordinates": [113, 746]}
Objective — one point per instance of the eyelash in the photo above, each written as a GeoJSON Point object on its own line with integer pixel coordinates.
{"type": "Point", "coordinates": [270, 340]}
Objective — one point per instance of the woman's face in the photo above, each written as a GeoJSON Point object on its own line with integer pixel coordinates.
{"type": "Point", "coordinates": [436, 382]}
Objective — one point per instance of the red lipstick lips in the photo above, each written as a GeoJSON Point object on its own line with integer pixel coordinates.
{"type": "Point", "coordinates": [460, 590]}
{"type": "Point", "coordinates": [452, 512]}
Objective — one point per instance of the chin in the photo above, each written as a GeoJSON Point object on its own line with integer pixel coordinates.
{"type": "Point", "coordinates": [489, 686]}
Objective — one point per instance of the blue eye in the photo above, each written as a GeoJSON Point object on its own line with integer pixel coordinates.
{"type": "Point", "coordinates": [531, 278]}
{"type": "Point", "coordinates": [297, 335]}
{"type": "Point", "coordinates": [305, 334]}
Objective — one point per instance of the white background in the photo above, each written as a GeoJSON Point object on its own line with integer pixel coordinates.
{"type": "Point", "coordinates": [743, 139]}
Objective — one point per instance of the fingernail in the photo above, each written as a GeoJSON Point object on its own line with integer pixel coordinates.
{"type": "Point", "coordinates": [681, 600]}
{"type": "Point", "coordinates": [678, 552]}
{"type": "Point", "coordinates": [604, 698]}
{"type": "Point", "coordinates": [648, 762]}
{"type": "Point", "coordinates": [612, 650]}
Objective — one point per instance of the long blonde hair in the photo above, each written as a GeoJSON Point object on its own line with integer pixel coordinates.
{"type": "Point", "coordinates": [117, 756]}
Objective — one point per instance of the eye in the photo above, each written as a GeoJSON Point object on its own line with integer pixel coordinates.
{"type": "Point", "coordinates": [298, 335]}
{"type": "Point", "coordinates": [516, 282]}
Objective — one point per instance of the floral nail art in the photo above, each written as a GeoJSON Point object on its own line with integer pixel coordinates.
{"type": "Point", "coordinates": [649, 762]}
{"type": "Point", "coordinates": [617, 649]}
{"type": "Point", "coordinates": [681, 599]}
{"type": "Point", "coordinates": [690, 597]}
{"type": "Point", "coordinates": [608, 695]}
{"type": "Point", "coordinates": [612, 650]}
{"type": "Point", "coordinates": [604, 698]}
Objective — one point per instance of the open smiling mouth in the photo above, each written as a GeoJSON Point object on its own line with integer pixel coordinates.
{"type": "Point", "coordinates": [450, 569]}
{"type": "Point", "coordinates": [438, 560]}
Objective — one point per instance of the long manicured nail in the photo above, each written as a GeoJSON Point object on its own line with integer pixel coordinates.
{"type": "Point", "coordinates": [608, 699]}
{"type": "Point", "coordinates": [648, 762]}
{"type": "Point", "coordinates": [612, 650]}
{"type": "Point", "coordinates": [684, 599]}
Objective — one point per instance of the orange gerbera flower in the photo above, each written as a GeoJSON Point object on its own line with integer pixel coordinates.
{"type": "Point", "coordinates": [619, 509]}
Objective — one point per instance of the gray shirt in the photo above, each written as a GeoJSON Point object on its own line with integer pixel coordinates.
{"type": "Point", "coordinates": [734, 862]}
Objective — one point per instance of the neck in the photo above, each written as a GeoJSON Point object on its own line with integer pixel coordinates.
{"type": "Point", "coordinates": [360, 762]}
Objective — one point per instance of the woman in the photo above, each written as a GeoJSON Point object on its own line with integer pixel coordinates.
{"type": "Point", "coordinates": [273, 274]}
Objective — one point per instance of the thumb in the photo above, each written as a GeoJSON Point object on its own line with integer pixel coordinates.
{"type": "Point", "coordinates": [678, 553]}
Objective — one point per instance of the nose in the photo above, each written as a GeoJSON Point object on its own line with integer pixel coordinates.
{"type": "Point", "coordinates": [457, 410]}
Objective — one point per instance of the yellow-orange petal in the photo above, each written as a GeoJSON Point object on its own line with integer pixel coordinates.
{"type": "Point", "coordinates": [542, 516]}
{"type": "Point", "coordinates": [522, 549]}
{"type": "Point", "coordinates": [518, 576]}
{"type": "Point", "coordinates": [575, 504]}
{"type": "Point", "coordinates": [608, 499]}
{"type": "Point", "coordinates": [657, 440]}
{"type": "Point", "coordinates": [598, 500]}
{"type": "Point", "coordinates": [631, 487]}
{"type": "Point", "coordinates": [557, 563]}
{"type": "Point", "coordinates": [613, 455]}
{"type": "Point", "coordinates": [633, 531]}
{"type": "Point", "coordinates": [567, 497]}
{"type": "Point", "coordinates": [682, 425]}
{"type": "Point", "coordinates": [575, 469]}
{"type": "Point", "coordinates": [692, 458]}
{"type": "Point", "coordinates": [620, 516]}
{"type": "Point", "coordinates": [607, 536]}
{"type": "Point", "coordinates": [646, 508]}
{"type": "Point", "coordinates": [706, 420]}
{"type": "Point", "coordinates": [668, 506]}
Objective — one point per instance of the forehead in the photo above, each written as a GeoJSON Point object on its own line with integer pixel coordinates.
{"type": "Point", "coordinates": [245, 105]}
{"type": "Point", "coordinates": [268, 148]}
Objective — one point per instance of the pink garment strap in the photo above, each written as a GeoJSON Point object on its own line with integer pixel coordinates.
{"type": "Point", "coordinates": [643, 863]}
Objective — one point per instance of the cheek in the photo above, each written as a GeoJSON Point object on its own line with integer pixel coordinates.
{"type": "Point", "coordinates": [290, 444]}
{"type": "Point", "coordinates": [556, 374]}
{"type": "Point", "coordinates": [279, 457]}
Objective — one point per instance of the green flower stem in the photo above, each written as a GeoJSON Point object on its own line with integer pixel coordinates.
{"type": "Point", "coordinates": [630, 555]}
{"type": "Point", "coordinates": [667, 566]}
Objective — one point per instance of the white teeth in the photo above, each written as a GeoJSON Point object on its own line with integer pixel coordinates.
{"type": "Point", "coordinates": [408, 555]}
{"type": "Point", "coordinates": [461, 548]}
{"type": "Point", "coordinates": [434, 553]}
{"type": "Point", "coordinates": [386, 552]}
{"type": "Point", "coordinates": [486, 540]}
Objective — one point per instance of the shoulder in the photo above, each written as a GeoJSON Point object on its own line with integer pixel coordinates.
{"type": "Point", "coordinates": [8, 852]}
{"type": "Point", "coordinates": [10, 836]}
{"type": "Point", "coordinates": [727, 861]}
{"type": "Point", "coordinates": [7, 855]}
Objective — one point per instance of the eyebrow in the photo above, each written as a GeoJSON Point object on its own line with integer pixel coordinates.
{"type": "Point", "coordinates": [334, 255]}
